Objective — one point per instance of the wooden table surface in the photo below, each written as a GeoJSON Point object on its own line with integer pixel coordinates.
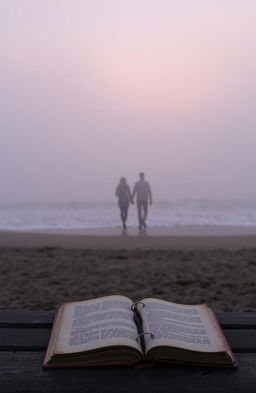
{"type": "Point", "coordinates": [24, 336]}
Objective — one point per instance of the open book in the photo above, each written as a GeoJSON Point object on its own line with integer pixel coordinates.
{"type": "Point", "coordinates": [113, 330]}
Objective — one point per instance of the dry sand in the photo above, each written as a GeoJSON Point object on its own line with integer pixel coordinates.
{"type": "Point", "coordinates": [218, 270]}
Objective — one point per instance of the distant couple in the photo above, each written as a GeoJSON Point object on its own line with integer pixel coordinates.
{"type": "Point", "coordinates": [143, 195]}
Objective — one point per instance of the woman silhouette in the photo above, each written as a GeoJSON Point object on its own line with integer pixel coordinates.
{"type": "Point", "coordinates": [124, 195]}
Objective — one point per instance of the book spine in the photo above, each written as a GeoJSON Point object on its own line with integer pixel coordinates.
{"type": "Point", "coordinates": [139, 323]}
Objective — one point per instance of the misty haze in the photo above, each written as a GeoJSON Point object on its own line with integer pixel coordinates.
{"type": "Point", "coordinates": [97, 91]}
{"type": "Point", "coordinates": [127, 162]}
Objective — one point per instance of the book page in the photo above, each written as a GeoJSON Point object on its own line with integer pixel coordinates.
{"type": "Point", "coordinates": [96, 323]}
{"type": "Point", "coordinates": [181, 326]}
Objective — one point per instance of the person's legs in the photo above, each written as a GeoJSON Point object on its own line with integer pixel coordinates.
{"type": "Point", "coordinates": [124, 214]}
{"type": "Point", "coordinates": [139, 207]}
{"type": "Point", "coordinates": [145, 213]}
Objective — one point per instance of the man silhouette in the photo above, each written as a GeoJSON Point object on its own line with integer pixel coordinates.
{"type": "Point", "coordinates": [143, 191]}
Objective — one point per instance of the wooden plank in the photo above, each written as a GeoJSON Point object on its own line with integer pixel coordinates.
{"type": "Point", "coordinates": [22, 373]}
{"type": "Point", "coordinates": [237, 320]}
{"type": "Point", "coordinates": [24, 339]}
{"type": "Point", "coordinates": [241, 340]}
{"type": "Point", "coordinates": [26, 318]}
{"type": "Point", "coordinates": [41, 318]}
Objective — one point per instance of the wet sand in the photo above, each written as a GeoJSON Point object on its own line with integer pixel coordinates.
{"type": "Point", "coordinates": [180, 237]}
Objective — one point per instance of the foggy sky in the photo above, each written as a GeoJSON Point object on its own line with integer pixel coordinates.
{"type": "Point", "coordinates": [95, 90]}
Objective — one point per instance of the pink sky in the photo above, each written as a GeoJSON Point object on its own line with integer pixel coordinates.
{"type": "Point", "coordinates": [95, 90]}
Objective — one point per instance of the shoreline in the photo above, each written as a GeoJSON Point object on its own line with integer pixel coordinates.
{"type": "Point", "coordinates": [180, 237]}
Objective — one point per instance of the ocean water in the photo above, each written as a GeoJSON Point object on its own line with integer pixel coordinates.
{"type": "Point", "coordinates": [31, 216]}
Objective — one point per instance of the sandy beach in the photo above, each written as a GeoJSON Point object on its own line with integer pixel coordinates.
{"type": "Point", "coordinates": [41, 270]}
{"type": "Point", "coordinates": [179, 237]}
